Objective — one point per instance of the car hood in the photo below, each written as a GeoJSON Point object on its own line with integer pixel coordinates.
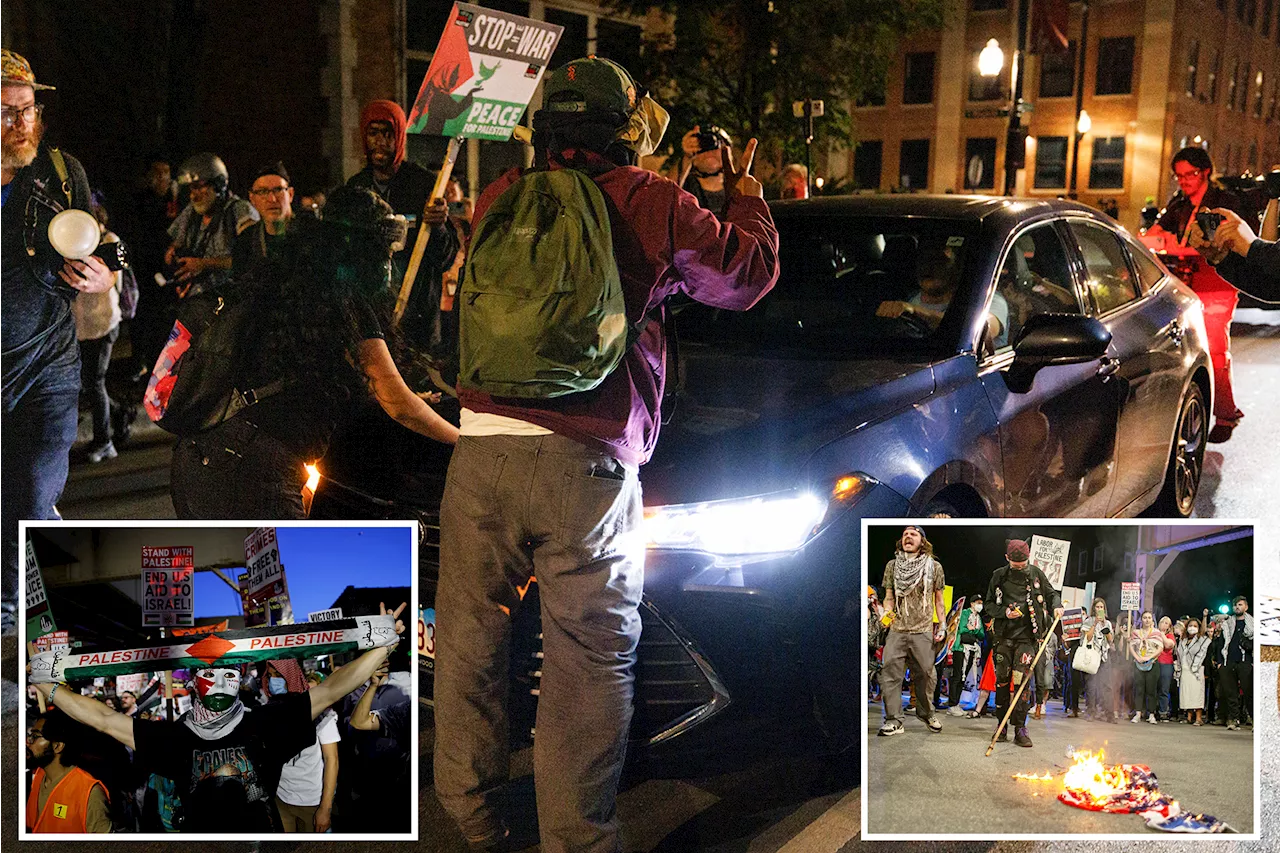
{"type": "Point", "coordinates": [744, 426]}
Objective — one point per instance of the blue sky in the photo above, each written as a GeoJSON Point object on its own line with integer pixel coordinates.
{"type": "Point", "coordinates": [319, 563]}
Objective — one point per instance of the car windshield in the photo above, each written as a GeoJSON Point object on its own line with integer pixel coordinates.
{"type": "Point", "coordinates": [850, 286]}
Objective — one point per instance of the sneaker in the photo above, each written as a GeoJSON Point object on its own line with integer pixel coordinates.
{"type": "Point", "coordinates": [1233, 726]}
{"type": "Point", "coordinates": [101, 453]}
{"type": "Point", "coordinates": [1137, 717]}
{"type": "Point", "coordinates": [1151, 718]}
{"type": "Point", "coordinates": [934, 724]}
{"type": "Point", "coordinates": [891, 728]}
{"type": "Point", "coordinates": [1020, 736]}
{"type": "Point", "coordinates": [122, 419]}
{"type": "Point", "coordinates": [957, 711]}
{"type": "Point", "coordinates": [1004, 735]}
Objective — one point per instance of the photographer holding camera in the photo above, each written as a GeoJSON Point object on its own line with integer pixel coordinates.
{"type": "Point", "coordinates": [701, 168]}
{"type": "Point", "coordinates": [1197, 195]}
{"type": "Point", "coordinates": [1243, 258]}
{"type": "Point", "coordinates": [41, 359]}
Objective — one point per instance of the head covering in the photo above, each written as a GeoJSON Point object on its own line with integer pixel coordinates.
{"type": "Point", "coordinates": [976, 597]}
{"type": "Point", "coordinates": [392, 114]}
{"type": "Point", "coordinates": [15, 70]}
{"type": "Point", "coordinates": [277, 168]}
{"type": "Point", "coordinates": [207, 724]}
{"type": "Point", "coordinates": [1017, 551]}
{"type": "Point", "coordinates": [590, 85]}
{"type": "Point", "coordinates": [295, 681]}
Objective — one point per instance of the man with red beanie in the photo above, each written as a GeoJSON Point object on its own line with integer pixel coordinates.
{"type": "Point", "coordinates": [405, 186]}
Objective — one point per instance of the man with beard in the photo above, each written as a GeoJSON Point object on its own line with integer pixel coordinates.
{"type": "Point", "coordinates": [224, 759]}
{"type": "Point", "coordinates": [405, 186]}
{"type": "Point", "coordinates": [1022, 600]}
{"type": "Point", "coordinates": [206, 230]}
{"type": "Point", "coordinates": [939, 275]}
{"type": "Point", "coordinates": [63, 797]}
{"type": "Point", "coordinates": [41, 359]}
{"type": "Point", "coordinates": [913, 585]}
{"type": "Point", "coordinates": [1235, 666]}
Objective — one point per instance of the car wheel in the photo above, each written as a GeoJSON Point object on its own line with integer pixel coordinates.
{"type": "Point", "coordinates": [1186, 459]}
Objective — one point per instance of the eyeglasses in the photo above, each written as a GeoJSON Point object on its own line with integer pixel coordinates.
{"type": "Point", "coordinates": [1186, 176]}
{"type": "Point", "coordinates": [34, 735]}
{"type": "Point", "coordinates": [28, 115]}
{"type": "Point", "coordinates": [269, 191]}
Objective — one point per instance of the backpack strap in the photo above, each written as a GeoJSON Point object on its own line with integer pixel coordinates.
{"type": "Point", "coordinates": [60, 166]}
{"type": "Point", "coordinates": [239, 400]}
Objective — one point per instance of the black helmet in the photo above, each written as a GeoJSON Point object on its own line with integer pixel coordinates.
{"type": "Point", "coordinates": [204, 167]}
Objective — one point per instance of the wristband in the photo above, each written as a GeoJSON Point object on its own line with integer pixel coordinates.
{"type": "Point", "coordinates": [56, 685]}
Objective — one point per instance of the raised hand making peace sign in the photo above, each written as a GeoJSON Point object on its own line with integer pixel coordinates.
{"type": "Point", "coordinates": [739, 180]}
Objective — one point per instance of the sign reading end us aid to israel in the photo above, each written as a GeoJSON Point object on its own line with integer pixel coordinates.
{"type": "Point", "coordinates": [168, 583]}
{"type": "Point", "coordinates": [483, 74]}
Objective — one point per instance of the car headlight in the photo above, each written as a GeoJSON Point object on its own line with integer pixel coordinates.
{"type": "Point", "coordinates": [770, 524]}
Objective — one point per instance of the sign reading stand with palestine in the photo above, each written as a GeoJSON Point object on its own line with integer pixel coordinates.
{"type": "Point", "coordinates": [168, 578]}
{"type": "Point", "coordinates": [483, 74]}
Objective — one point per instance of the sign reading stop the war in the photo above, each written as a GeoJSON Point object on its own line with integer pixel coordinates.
{"type": "Point", "coordinates": [483, 74]}
{"type": "Point", "coordinates": [168, 582]}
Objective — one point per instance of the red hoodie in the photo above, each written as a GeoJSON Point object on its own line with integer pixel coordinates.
{"type": "Point", "coordinates": [664, 243]}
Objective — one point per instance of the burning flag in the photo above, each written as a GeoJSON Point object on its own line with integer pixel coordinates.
{"type": "Point", "coordinates": [1129, 788]}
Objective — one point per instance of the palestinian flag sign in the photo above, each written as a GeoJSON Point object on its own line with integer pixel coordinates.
{"type": "Point", "coordinates": [221, 648]}
{"type": "Point", "coordinates": [483, 74]}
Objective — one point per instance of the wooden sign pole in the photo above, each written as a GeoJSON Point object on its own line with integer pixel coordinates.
{"type": "Point", "coordinates": [424, 233]}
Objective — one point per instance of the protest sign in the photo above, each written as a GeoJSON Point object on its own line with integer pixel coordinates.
{"type": "Point", "coordinates": [1051, 556]}
{"type": "Point", "coordinates": [55, 640]}
{"type": "Point", "coordinates": [168, 582]}
{"type": "Point", "coordinates": [39, 615]}
{"type": "Point", "coordinates": [264, 588]}
{"type": "Point", "coordinates": [1130, 596]}
{"type": "Point", "coordinates": [325, 615]}
{"type": "Point", "coordinates": [483, 74]}
{"type": "Point", "coordinates": [1071, 623]}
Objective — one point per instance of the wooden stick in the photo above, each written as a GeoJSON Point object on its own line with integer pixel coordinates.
{"type": "Point", "coordinates": [424, 233]}
{"type": "Point", "coordinates": [1023, 685]}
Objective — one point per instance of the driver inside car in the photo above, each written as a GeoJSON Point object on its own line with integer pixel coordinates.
{"type": "Point", "coordinates": [940, 272]}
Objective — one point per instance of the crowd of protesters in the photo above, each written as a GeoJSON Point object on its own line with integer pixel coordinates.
{"type": "Point", "coordinates": [1192, 669]}
{"type": "Point", "coordinates": [90, 768]}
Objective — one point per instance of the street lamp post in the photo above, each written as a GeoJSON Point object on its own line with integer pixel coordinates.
{"type": "Point", "coordinates": [1083, 122]}
{"type": "Point", "coordinates": [1015, 150]}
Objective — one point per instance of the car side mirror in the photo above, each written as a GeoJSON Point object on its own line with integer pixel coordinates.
{"type": "Point", "coordinates": [1049, 339]}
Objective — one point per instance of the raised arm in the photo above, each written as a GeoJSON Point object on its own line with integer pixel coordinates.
{"type": "Point", "coordinates": [363, 717]}
{"type": "Point", "coordinates": [347, 678]}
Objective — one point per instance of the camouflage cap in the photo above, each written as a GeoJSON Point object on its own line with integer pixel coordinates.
{"type": "Point", "coordinates": [15, 70]}
{"type": "Point", "coordinates": [589, 85]}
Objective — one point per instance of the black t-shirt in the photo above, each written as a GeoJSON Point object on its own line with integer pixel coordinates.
{"type": "Point", "coordinates": [227, 785]}
{"type": "Point", "coordinates": [395, 722]}
{"type": "Point", "coordinates": [1177, 216]}
{"type": "Point", "coordinates": [1009, 586]}
{"type": "Point", "coordinates": [1240, 647]}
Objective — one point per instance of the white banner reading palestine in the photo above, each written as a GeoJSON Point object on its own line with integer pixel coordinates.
{"type": "Point", "coordinates": [225, 648]}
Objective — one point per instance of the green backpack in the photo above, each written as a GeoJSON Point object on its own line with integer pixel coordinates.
{"type": "Point", "coordinates": [542, 312]}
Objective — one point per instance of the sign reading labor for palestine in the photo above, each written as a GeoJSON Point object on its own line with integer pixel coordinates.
{"type": "Point", "coordinates": [483, 74]}
{"type": "Point", "coordinates": [168, 582]}
{"type": "Point", "coordinates": [1051, 556]}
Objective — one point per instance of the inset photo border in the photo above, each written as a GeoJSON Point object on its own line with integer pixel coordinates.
{"type": "Point", "coordinates": [195, 651]}
{"type": "Point", "coordinates": [940, 774]}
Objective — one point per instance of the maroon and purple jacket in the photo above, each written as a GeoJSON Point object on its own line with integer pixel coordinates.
{"type": "Point", "coordinates": [664, 243]}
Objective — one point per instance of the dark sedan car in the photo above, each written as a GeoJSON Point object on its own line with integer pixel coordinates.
{"type": "Point", "coordinates": [920, 355]}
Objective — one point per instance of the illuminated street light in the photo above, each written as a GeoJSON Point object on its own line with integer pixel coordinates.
{"type": "Point", "coordinates": [1084, 123]}
{"type": "Point", "coordinates": [991, 59]}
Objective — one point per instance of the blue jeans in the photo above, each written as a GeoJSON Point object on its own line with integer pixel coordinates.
{"type": "Point", "coordinates": [1166, 681]}
{"type": "Point", "coordinates": [37, 433]}
{"type": "Point", "coordinates": [516, 506]}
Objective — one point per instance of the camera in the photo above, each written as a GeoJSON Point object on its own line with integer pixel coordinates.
{"type": "Point", "coordinates": [114, 254]}
{"type": "Point", "coordinates": [1268, 183]}
{"type": "Point", "coordinates": [712, 138]}
{"type": "Point", "coordinates": [1208, 223]}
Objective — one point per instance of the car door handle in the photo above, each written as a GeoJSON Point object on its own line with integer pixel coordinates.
{"type": "Point", "coordinates": [1109, 366]}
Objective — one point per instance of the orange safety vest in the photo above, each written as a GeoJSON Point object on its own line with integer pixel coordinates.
{"type": "Point", "coordinates": [67, 806]}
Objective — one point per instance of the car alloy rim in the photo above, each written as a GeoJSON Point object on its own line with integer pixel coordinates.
{"type": "Point", "coordinates": [1187, 462]}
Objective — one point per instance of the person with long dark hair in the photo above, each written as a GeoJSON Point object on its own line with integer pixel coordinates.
{"type": "Point", "coordinates": [1100, 636]}
{"type": "Point", "coordinates": [1146, 644]}
{"type": "Point", "coordinates": [321, 340]}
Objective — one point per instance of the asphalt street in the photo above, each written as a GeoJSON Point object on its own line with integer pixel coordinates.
{"type": "Point", "coordinates": [1208, 769]}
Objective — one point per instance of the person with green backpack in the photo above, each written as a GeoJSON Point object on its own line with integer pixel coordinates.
{"type": "Point", "coordinates": [563, 363]}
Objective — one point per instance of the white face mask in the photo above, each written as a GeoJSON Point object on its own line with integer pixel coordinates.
{"type": "Point", "coordinates": [1193, 630]}
{"type": "Point", "coordinates": [977, 608]}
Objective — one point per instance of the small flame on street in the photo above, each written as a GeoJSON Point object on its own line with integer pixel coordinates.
{"type": "Point", "coordinates": [1031, 777]}
{"type": "Point", "coordinates": [1090, 776]}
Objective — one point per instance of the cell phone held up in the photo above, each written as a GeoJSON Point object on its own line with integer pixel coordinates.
{"type": "Point", "coordinates": [1209, 223]}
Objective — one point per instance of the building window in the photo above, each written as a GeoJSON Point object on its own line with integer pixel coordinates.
{"type": "Point", "coordinates": [1253, 157]}
{"type": "Point", "coordinates": [917, 84]}
{"type": "Point", "coordinates": [1215, 70]}
{"type": "Point", "coordinates": [1106, 171]}
{"type": "Point", "coordinates": [980, 163]}
{"type": "Point", "coordinates": [872, 94]}
{"type": "Point", "coordinates": [1082, 564]}
{"type": "Point", "coordinates": [1275, 96]}
{"type": "Point", "coordinates": [984, 88]}
{"type": "Point", "coordinates": [868, 158]}
{"type": "Point", "coordinates": [1098, 553]}
{"type": "Point", "coordinates": [1257, 95]}
{"type": "Point", "coordinates": [573, 41]}
{"type": "Point", "coordinates": [1251, 12]}
{"type": "Point", "coordinates": [1232, 85]}
{"type": "Point", "coordinates": [1268, 6]}
{"type": "Point", "coordinates": [1240, 4]}
{"type": "Point", "coordinates": [1058, 73]}
{"type": "Point", "coordinates": [1193, 62]}
{"type": "Point", "coordinates": [913, 164]}
{"type": "Point", "coordinates": [1115, 66]}
{"type": "Point", "coordinates": [424, 23]}
{"type": "Point", "coordinates": [1051, 162]}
